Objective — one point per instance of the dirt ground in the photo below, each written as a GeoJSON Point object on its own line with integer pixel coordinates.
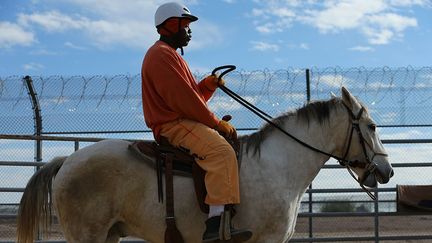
{"type": "Point", "coordinates": [322, 227]}
{"type": "Point", "coordinates": [364, 227]}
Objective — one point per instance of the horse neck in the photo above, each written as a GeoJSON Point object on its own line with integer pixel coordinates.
{"type": "Point", "coordinates": [274, 181]}
{"type": "Point", "coordinates": [338, 132]}
{"type": "Point", "coordinates": [280, 153]}
{"type": "Point", "coordinates": [284, 159]}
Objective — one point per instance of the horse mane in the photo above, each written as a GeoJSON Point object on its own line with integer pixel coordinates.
{"type": "Point", "coordinates": [316, 110]}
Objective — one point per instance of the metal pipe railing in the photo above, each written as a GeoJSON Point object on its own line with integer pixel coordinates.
{"type": "Point", "coordinates": [311, 191]}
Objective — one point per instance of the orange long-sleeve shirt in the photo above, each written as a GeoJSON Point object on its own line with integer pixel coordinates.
{"type": "Point", "coordinates": [170, 92]}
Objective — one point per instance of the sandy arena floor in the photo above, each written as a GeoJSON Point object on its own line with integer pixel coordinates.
{"type": "Point", "coordinates": [322, 227]}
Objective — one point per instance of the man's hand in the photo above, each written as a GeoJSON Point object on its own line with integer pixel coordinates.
{"type": "Point", "coordinates": [226, 129]}
{"type": "Point", "coordinates": [212, 82]}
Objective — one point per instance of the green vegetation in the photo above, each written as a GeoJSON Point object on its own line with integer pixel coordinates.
{"type": "Point", "coordinates": [338, 207]}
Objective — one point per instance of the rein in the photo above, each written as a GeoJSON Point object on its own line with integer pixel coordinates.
{"type": "Point", "coordinates": [369, 164]}
{"type": "Point", "coordinates": [267, 118]}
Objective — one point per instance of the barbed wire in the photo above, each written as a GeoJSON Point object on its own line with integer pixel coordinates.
{"type": "Point", "coordinates": [377, 82]}
{"type": "Point", "coordinates": [392, 93]}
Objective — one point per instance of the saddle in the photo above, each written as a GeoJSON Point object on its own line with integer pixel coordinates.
{"type": "Point", "coordinates": [176, 161]}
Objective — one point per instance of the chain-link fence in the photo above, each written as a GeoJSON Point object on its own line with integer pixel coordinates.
{"type": "Point", "coordinates": [398, 99]}
{"type": "Point", "coordinates": [113, 103]}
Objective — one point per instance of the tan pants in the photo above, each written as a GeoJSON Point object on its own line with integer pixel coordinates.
{"type": "Point", "coordinates": [215, 155]}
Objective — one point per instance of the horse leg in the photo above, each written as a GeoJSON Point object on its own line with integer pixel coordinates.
{"type": "Point", "coordinates": [112, 238]}
{"type": "Point", "coordinates": [86, 233]}
{"type": "Point", "coordinates": [115, 232]}
{"type": "Point", "coordinates": [89, 222]}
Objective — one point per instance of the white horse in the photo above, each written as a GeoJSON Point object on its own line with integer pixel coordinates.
{"type": "Point", "coordinates": [105, 191]}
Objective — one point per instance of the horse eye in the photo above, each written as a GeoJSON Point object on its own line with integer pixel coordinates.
{"type": "Point", "coordinates": [372, 127]}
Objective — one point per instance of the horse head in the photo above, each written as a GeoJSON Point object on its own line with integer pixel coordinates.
{"type": "Point", "coordinates": [364, 153]}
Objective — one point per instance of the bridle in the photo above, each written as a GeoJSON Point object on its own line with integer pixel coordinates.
{"type": "Point", "coordinates": [355, 125]}
{"type": "Point", "coordinates": [368, 164]}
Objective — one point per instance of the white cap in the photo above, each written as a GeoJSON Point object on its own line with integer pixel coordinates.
{"type": "Point", "coordinates": [172, 10]}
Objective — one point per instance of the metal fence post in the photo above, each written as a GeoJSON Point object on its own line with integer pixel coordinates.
{"type": "Point", "coordinates": [310, 198]}
{"type": "Point", "coordinates": [37, 124]}
{"type": "Point", "coordinates": [376, 217]}
{"type": "Point", "coordinates": [308, 95]}
{"type": "Point", "coordinates": [36, 116]}
{"type": "Point", "coordinates": [310, 209]}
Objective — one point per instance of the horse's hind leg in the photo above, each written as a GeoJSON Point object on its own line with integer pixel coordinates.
{"type": "Point", "coordinates": [112, 238]}
{"type": "Point", "coordinates": [115, 232]}
{"type": "Point", "coordinates": [78, 228]}
{"type": "Point", "coordinates": [87, 235]}
{"type": "Point", "coordinates": [93, 234]}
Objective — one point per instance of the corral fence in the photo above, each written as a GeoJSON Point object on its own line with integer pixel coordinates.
{"type": "Point", "coordinates": [44, 117]}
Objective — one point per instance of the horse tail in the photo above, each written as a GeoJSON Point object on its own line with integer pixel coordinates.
{"type": "Point", "coordinates": [36, 203]}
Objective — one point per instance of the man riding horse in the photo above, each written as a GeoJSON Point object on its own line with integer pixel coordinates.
{"type": "Point", "coordinates": [175, 107]}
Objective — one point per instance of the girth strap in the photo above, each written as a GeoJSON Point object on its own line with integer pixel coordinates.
{"type": "Point", "coordinates": [169, 187]}
{"type": "Point", "coordinates": [159, 172]}
{"type": "Point", "coordinates": [172, 234]}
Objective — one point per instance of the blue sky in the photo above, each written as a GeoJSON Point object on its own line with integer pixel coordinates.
{"type": "Point", "coordinates": [88, 37]}
{"type": "Point", "coordinates": [95, 37]}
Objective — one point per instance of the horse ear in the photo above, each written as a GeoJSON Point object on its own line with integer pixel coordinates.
{"type": "Point", "coordinates": [332, 95]}
{"type": "Point", "coordinates": [350, 101]}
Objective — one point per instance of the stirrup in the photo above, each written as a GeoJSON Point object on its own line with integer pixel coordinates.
{"type": "Point", "coordinates": [219, 230]}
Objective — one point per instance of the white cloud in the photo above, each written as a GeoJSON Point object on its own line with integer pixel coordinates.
{"type": "Point", "coordinates": [53, 21]}
{"type": "Point", "coordinates": [12, 34]}
{"type": "Point", "coordinates": [118, 9]}
{"type": "Point", "coordinates": [33, 66]}
{"type": "Point", "coordinates": [257, 12]}
{"type": "Point", "coordinates": [392, 21]}
{"type": "Point", "coordinates": [264, 46]}
{"type": "Point", "coordinates": [378, 37]}
{"type": "Point", "coordinates": [380, 85]}
{"type": "Point", "coordinates": [383, 28]}
{"type": "Point", "coordinates": [361, 48]}
{"type": "Point", "coordinates": [342, 15]}
{"type": "Point", "coordinates": [283, 13]}
{"type": "Point", "coordinates": [389, 117]}
{"type": "Point", "coordinates": [118, 22]}
{"type": "Point", "coordinates": [333, 80]}
{"type": "Point", "coordinates": [409, 134]}
{"type": "Point", "coordinates": [304, 46]}
{"type": "Point", "coordinates": [267, 28]}
{"type": "Point", "coordinates": [224, 104]}
{"type": "Point", "coordinates": [204, 34]}
{"type": "Point", "coordinates": [17, 151]}
{"type": "Point", "coordinates": [419, 153]}
{"type": "Point", "coordinates": [199, 71]}
{"type": "Point", "coordinates": [131, 23]}
{"type": "Point", "coordinates": [132, 33]}
{"type": "Point", "coordinates": [407, 3]}
{"type": "Point", "coordinates": [379, 21]}
{"type": "Point", "coordinates": [43, 52]}
{"type": "Point", "coordinates": [73, 46]}
{"type": "Point", "coordinates": [284, 20]}
{"type": "Point", "coordinates": [103, 33]}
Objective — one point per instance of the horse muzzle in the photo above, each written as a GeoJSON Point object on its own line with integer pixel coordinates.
{"type": "Point", "coordinates": [383, 176]}
{"type": "Point", "coordinates": [370, 181]}
{"type": "Point", "coordinates": [378, 173]}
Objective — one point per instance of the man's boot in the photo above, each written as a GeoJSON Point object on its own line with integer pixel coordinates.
{"type": "Point", "coordinates": [215, 232]}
